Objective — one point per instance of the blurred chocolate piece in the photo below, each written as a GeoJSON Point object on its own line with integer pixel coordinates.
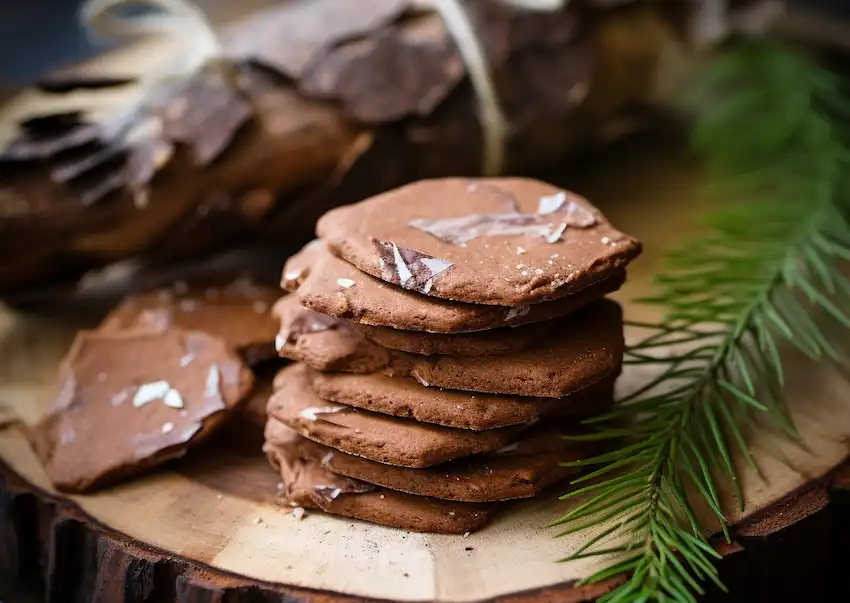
{"type": "Point", "coordinates": [237, 312]}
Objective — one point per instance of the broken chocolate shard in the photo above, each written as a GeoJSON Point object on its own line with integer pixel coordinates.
{"type": "Point", "coordinates": [205, 115]}
{"type": "Point", "coordinates": [330, 493]}
{"type": "Point", "coordinates": [409, 268]}
{"type": "Point", "coordinates": [307, 321]}
{"type": "Point", "coordinates": [460, 230]}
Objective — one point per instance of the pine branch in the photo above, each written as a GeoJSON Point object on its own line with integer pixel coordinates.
{"type": "Point", "coordinates": [768, 133]}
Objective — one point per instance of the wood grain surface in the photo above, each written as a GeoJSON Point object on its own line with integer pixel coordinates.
{"type": "Point", "coordinates": [209, 528]}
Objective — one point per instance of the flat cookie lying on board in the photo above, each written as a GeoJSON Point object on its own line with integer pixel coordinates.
{"type": "Point", "coordinates": [131, 399]}
{"type": "Point", "coordinates": [296, 320]}
{"type": "Point", "coordinates": [316, 274]}
{"type": "Point", "coordinates": [374, 436]}
{"type": "Point", "coordinates": [237, 312]}
{"type": "Point", "coordinates": [307, 484]}
{"type": "Point", "coordinates": [501, 241]}
{"type": "Point", "coordinates": [405, 397]}
{"type": "Point", "coordinates": [520, 470]}
{"type": "Point", "coordinates": [581, 350]}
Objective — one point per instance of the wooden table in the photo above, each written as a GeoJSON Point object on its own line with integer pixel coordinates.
{"type": "Point", "coordinates": [208, 528]}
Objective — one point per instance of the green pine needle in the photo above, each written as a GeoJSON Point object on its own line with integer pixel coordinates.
{"type": "Point", "coordinates": [768, 132]}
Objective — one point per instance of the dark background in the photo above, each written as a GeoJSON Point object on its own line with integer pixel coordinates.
{"type": "Point", "coordinates": [38, 35]}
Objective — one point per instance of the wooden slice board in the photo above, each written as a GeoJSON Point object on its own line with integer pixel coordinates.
{"type": "Point", "coordinates": [209, 528]}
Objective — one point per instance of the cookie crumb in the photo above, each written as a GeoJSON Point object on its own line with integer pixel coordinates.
{"type": "Point", "coordinates": [538, 271]}
{"type": "Point", "coordinates": [466, 534]}
{"type": "Point", "coordinates": [345, 283]}
{"type": "Point", "coordinates": [382, 497]}
{"type": "Point", "coordinates": [167, 427]}
{"type": "Point", "coordinates": [604, 240]}
{"type": "Point", "coordinates": [451, 513]}
{"type": "Point", "coordinates": [520, 250]}
{"type": "Point", "coordinates": [298, 513]}
{"type": "Point", "coordinates": [469, 548]}
{"type": "Point", "coordinates": [406, 575]}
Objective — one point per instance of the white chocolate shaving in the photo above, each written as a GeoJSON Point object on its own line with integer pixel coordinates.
{"type": "Point", "coordinates": [148, 392]}
{"type": "Point", "coordinates": [172, 399]}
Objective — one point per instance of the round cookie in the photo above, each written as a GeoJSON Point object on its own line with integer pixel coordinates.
{"type": "Point", "coordinates": [521, 470]}
{"type": "Point", "coordinates": [584, 348]}
{"type": "Point", "coordinates": [378, 437]}
{"type": "Point", "coordinates": [324, 342]}
{"type": "Point", "coordinates": [307, 484]}
{"type": "Point", "coordinates": [289, 311]}
{"type": "Point", "coordinates": [131, 399]}
{"type": "Point", "coordinates": [404, 397]}
{"type": "Point", "coordinates": [316, 273]}
{"type": "Point", "coordinates": [501, 241]}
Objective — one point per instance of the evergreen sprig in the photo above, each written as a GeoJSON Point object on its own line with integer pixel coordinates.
{"type": "Point", "coordinates": [768, 132]}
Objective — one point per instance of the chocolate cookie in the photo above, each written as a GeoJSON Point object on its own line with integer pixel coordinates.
{"type": "Point", "coordinates": [374, 436]}
{"type": "Point", "coordinates": [237, 312]}
{"type": "Point", "coordinates": [583, 349]}
{"type": "Point", "coordinates": [316, 274]}
{"type": "Point", "coordinates": [404, 397]}
{"type": "Point", "coordinates": [501, 241]}
{"type": "Point", "coordinates": [130, 399]}
{"type": "Point", "coordinates": [324, 342]}
{"type": "Point", "coordinates": [295, 321]}
{"type": "Point", "coordinates": [520, 470]}
{"type": "Point", "coordinates": [307, 484]}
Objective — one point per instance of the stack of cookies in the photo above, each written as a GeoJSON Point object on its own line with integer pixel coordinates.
{"type": "Point", "coordinates": [447, 334]}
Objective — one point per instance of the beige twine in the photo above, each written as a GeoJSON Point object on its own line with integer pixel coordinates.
{"type": "Point", "coordinates": [182, 18]}
{"type": "Point", "coordinates": [179, 19]}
